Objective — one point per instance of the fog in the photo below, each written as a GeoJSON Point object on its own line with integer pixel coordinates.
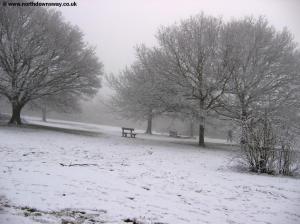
{"type": "Point", "coordinates": [115, 27]}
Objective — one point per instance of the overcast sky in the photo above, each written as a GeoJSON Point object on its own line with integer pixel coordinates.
{"type": "Point", "coordinates": [116, 26]}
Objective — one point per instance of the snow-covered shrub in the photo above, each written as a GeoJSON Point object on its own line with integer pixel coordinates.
{"type": "Point", "coordinates": [287, 158]}
{"type": "Point", "coordinates": [268, 149]}
{"type": "Point", "coordinates": [258, 146]}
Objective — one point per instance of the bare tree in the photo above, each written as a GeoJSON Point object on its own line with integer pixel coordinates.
{"type": "Point", "coordinates": [192, 57]}
{"type": "Point", "coordinates": [265, 63]}
{"type": "Point", "coordinates": [41, 55]}
{"type": "Point", "coordinates": [140, 92]}
{"type": "Point", "coordinates": [262, 94]}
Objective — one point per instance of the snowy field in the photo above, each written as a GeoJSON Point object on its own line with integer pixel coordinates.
{"type": "Point", "coordinates": [93, 175]}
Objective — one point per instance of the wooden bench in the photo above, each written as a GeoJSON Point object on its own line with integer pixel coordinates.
{"type": "Point", "coordinates": [173, 134]}
{"type": "Point", "coordinates": [128, 132]}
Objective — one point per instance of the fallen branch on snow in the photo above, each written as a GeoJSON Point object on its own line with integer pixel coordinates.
{"type": "Point", "coordinates": [78, 164]}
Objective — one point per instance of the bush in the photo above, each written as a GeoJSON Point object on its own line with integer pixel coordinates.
{"type": "Point", "coordinates": [266, 150]}
{"type": "Point", "coordinates": [287, 158]}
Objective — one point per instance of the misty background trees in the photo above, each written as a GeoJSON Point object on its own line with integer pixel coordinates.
{"type": "Point", "coordinates": [63, 102]}
{"type": "Point", "coordinates": [140, 92]}
{"type": "Point", "coordinates": [42, 56]}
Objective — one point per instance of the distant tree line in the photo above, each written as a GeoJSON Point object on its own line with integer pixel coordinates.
{"type": "Point", "coordinates": [244, 70]}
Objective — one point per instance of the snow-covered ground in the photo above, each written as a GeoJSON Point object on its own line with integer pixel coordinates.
{"type": "Point", "coordinates": [49, 176]}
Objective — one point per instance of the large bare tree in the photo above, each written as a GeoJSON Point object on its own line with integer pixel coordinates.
{"type": "Point", "coordinates": [192, 56]}
{"type": "Point", "coordinates": [140, 93]}
{"type": "Point", "coordinates": [41, 55]}
{"type": "Point", "coordinates": [265, 70]}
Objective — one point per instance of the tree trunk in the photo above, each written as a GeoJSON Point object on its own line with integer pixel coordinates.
{"type": "Point", "coordinates": [44, 113]}
{"type": "Point", "coordinates": [244, 127]}
{"type": "Point", "coordinates": [201, 125]}
{"type": "Point", "coordinates": [201, 135]}
{"type": "Point", "coordinates": [16, 114]}
{"type": "Point", "coordinates": [149, 124]}
{"type": "Point", "coordinates": [192, 129]}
